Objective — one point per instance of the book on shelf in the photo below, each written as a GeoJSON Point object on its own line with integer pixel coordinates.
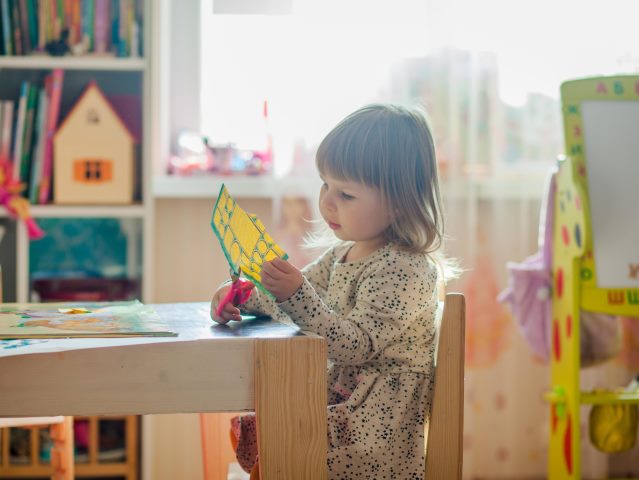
{"type": "Point", "coordinates": [40, 138]}
{"type": "Point", "coordinates": [7, 37]}
{"type": "Point", "coordinates": [15, 27]}
{"type": "Point", "coordinates": [53, 112]}
{"type": "Point", "coordinates": [25, 170]}
{"type": "Point", "coordinates": [101, 29]}
{"type": "Point", "coordinates": [42, 25]}
{"type": "Point", "coordinates": [75, 23]}
{"type": "Point", "coordinates": [19, 130]}
{"type": "Point", "coordinates": [7, 127]}
{"type": "Point", "coordinates": [87, 23]}
{"type": "Point", "coordinates": [26, 136]}
{"type": "Point", "coordinates": [32, 8]}
{"type": "Point", "coordinates": [24, 25]}
{"type": "Point", "coordinates": [87, 26]}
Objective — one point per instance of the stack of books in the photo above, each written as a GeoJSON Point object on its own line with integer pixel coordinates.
{"type": "Point", "coordinates": [84, 26]}
{"type": "Point", "coordinates": [26, 134]}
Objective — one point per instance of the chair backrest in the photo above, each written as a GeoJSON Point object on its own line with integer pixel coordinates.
{"type": "Point", "coordinates": [444, 438]}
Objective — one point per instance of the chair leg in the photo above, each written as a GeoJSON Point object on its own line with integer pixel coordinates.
{"type": "Point", "coordinates": [62, 450]}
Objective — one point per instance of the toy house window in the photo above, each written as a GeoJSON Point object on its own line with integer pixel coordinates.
{"type": "Point", "coordinates": [92, 170]}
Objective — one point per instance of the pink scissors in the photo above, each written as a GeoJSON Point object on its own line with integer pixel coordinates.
{"type": "Point", "coordinates": [239, 292]}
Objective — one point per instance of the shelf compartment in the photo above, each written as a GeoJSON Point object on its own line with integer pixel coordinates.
{"type": "Point", "coordinates": [92, 258]}
{"type": "Point", "coordinates": [97, 463]}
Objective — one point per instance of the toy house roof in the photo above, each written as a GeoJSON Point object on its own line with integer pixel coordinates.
{"type": "Point", "coordinates": [93, 85]}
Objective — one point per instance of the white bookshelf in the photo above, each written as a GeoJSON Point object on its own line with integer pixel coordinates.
{"type": "Point", "coordinates": [87, 62]}
{"type": "Point", "coordinates": [140, 69]}
{"type": "Point", "coordinates": [85, 211]}
{"type": "Point", "coordinates": [136, 219]}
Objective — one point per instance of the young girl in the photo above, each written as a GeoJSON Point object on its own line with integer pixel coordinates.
{"type": "Point", "coordinates": [373, 296]}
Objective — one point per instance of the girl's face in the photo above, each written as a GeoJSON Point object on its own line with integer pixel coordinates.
{"type": "Point", "coordinates": [354, 211]}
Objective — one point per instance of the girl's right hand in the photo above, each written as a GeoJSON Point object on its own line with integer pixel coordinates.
{"type": "Point", "coordinates": [229, 312]}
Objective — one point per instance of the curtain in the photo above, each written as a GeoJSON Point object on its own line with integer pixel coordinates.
{"type": "Point", "coordinates": [493, 159]}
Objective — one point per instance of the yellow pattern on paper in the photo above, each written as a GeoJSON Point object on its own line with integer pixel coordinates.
{"type": "Point", "coordinates": [243, 238]}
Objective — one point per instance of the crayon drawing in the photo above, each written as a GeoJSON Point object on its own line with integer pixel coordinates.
{"type": "Point", "coordinates": [51, 320]}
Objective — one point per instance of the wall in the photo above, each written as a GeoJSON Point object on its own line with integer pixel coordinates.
{"type": "Point", "coordinates": [189, 262]}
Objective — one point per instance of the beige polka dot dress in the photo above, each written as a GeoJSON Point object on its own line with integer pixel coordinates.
{"type": "Point", "coordinates": [377, 315]}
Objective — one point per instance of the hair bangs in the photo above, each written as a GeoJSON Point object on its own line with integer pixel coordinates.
{"type": "Point", "coordinates": [353, 151]}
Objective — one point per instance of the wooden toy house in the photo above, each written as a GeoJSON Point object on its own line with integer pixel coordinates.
{"type": "Point", "coordinates": [94, 153]}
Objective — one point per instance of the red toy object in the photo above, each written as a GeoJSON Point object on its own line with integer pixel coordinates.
{"type": "Point", "coordinates": [16, 205]}
{"type": "Point", "coordinates": [239, 293]}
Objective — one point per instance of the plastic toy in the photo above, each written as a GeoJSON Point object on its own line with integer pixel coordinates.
{"type": "Point", "coordinates": [16, 205]}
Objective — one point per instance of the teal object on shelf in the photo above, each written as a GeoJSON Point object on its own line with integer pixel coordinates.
{"type": "Point", "coordinates": [87, 247]}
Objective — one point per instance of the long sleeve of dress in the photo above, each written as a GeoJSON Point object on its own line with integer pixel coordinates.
{"type": "Point", "coordinates": [389, 298]}
{"type": "Point", "coordinates": [317, 273]}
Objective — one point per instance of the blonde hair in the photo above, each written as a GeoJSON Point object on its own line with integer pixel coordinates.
{"type": "Point", "coordinates": [391, 148]}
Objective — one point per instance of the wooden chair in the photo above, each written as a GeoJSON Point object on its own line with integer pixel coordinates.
{"type": "Point", "coordinates": [61, 429]}
{"type": "Point", "coordinates": [444, 446]}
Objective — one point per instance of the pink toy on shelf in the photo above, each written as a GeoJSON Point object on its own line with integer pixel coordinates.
{"type": "Point", "coordinates": [16, 205]}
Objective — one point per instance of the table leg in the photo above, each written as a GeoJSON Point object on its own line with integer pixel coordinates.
{"type": "Point", "coordinates": [290, 405]}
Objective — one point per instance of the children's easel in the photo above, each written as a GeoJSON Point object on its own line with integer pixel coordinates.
{"type": "Point", "coordinates": [595, 244]}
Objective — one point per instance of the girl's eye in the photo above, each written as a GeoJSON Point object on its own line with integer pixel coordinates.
{"type": "Point", "coordinates": [346, 196]}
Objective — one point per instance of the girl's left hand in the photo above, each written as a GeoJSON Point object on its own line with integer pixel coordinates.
{"type": "Point", "coordinates": [281, 278]}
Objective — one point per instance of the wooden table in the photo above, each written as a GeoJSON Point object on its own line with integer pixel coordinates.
{"type": "Point", "coordinates": [260, 364]}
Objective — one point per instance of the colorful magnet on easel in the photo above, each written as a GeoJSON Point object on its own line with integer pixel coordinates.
{"type": "Point", "coordinates": [560, 405]}
{"type": "Point", "coordinates": [568, 445]}
{"type": "Point", "coordinates": [556, 340]}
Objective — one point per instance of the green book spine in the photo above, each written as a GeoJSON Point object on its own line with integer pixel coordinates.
{"type": "Point", "coordinates": [38, 147]}
{"type": "Point", "coordinates": [25, 166]}
{"type": "Point", "coordinates": [6, 27]}
{"type": "Point", "coordinates": [32, 16]}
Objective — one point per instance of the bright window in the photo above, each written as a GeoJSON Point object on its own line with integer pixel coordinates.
{"type": "Point", "coordinates": [493, 100]}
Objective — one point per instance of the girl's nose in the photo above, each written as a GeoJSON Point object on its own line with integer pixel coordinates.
{"type": "Point", "coordinates": [327, 202]}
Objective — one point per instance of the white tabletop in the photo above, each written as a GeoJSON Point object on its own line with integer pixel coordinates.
{"type": "Point", "coordinates": [207, 367]}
